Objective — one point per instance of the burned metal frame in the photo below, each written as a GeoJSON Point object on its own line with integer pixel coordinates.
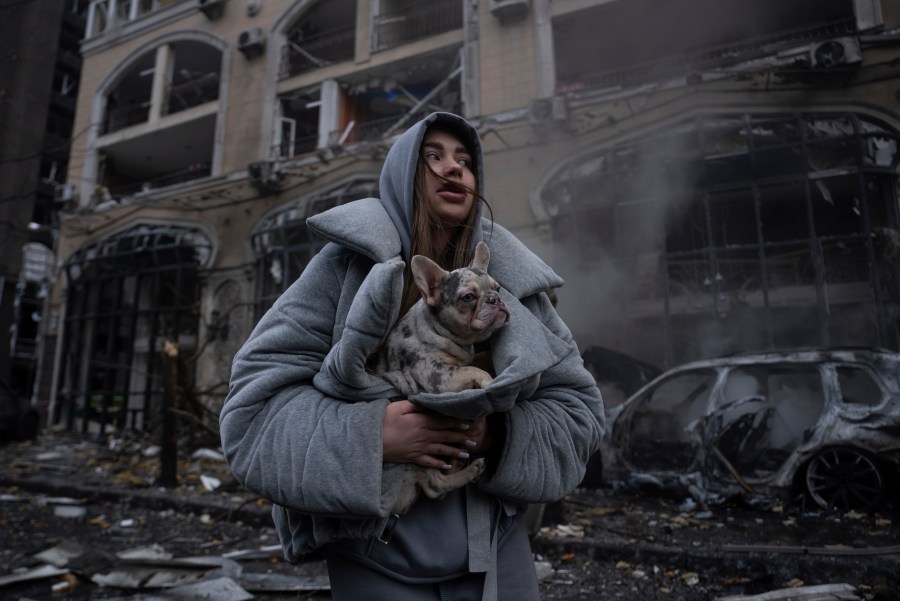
{"type": "Point", "coordinates": [756, 207]}
{"type": "Point", "coordinates": [284, 246]}
{"type": "Point", "coordinates": [127, 293]}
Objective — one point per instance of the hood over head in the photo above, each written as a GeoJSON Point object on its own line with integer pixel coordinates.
{"type": "Point", "coordinates": [398, 175]}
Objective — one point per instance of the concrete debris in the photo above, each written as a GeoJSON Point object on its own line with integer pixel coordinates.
{"type": "Point", "coordinates": [266, 552]}
{"type": "Point", "coordinates": [215, 589]}
{"type": "Point", "coordinates": [563, 531]}
{"type": "Point", "coordinates": [824, 592]}
{"type": "Point", "coordinates": [60, 555]}
{"type": "Point", "coordinates": [208, 454]}
{"type": "Point", "coordinates": [210, 483]}
{"type": "Point", "coordinates": [544, 570]}
{"type": "Point", "coordinates": [148, 552]}
{"type": "Point", "coordinates": [38, 573]}
{"type": "Point", "coordinates": [166, 573]}
{"type": "Point", "coordinates": [283, 583]}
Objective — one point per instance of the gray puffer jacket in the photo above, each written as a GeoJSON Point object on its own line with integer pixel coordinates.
{"type": "Point", "coordinates": [302, 423]}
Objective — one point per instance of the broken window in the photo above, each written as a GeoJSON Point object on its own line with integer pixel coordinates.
{"type": "Point", "coordinates": [764, 414]}
{"type": "Point", "coordinates": [368, 105]}
{"type": "Point", "coordinates": [858, 386]}
{"type": "Point", "coordinates": [127, 294]}
{"type": "Point", "coordinates": [194, 79]}
{"type": "Point", "coordinates": [103, 14]}
{"type": "Point", "coordinates": [128, 103]}
{"type": "Point", "coordinates": [176, 150]}
{"type": "Point", "coordinates": [400, 21]}
{"type": "Point", "coordinates": [627, 43]}
{"type": "Point", "coordinates": [323, 35]}
{"type": "Point", "coordinates": [283, 244]}
{"type": "Point", "coordinates": [299, 122]}
{"type": "Point", "coordinates": [659, 427]}
{"type": "Point", "coordinates": [761, 231]}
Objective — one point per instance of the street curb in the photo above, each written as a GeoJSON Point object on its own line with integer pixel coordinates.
{"type": "Point", "coordinates": [151, 498]}
{"type": "Point", "coordinates": [842, 566]}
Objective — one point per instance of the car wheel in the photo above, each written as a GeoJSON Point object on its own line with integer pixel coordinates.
{"type": "Point", "coordinates": [843, 478]}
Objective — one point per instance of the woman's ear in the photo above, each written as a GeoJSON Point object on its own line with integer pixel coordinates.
{"type": "Point", "coordinates": [429, 278]}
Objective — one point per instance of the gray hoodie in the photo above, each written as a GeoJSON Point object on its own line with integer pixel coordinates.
{"type": "Point", "coordinates": [302, 422]}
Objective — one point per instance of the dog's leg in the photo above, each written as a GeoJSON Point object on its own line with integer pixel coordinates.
{"type": "Point", "coordinates": [436, 483]}
{"type": "Point", "coordinates": [466, 377]}
{"type": "Point", "coordinates": [409, 490]}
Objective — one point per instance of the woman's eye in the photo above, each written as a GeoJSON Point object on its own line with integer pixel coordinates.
{"type": "Point", "coordinates": [468, 298]}
{"type": "Point", "coordinates": [432, 156]}
{"type": "Point", "coordinates": [465, 162]}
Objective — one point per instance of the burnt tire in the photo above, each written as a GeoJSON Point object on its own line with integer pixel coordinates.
{"type": "Point", "coordinates": [845, 479]}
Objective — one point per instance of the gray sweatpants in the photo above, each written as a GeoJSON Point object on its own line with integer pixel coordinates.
{"type": "Point", "coordinates": [516, 578]}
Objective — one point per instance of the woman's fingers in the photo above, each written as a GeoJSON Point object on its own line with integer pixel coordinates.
{"type": "Point", "coordinates": [410, 434]}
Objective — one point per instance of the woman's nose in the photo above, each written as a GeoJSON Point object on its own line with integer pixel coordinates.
{"type": "Point", "coordinates": [452, 168]}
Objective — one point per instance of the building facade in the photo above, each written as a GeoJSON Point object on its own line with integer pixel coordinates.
{"type": "Point", "coordinates": [40, 64]}
{"type": "Point", "coordinates": [727, 184]}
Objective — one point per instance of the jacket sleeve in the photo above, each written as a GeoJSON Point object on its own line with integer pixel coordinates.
{"type": "Point", "coordinates": [551, 434]}
{"type": "Point", "coordinates": [283, 438]}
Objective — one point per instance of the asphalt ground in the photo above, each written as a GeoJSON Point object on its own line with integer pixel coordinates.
{"type": "Point", "coordinates": [595, 544]}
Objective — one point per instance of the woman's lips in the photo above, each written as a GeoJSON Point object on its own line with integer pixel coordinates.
{"type": "Point", "coordinates": [452, 195]}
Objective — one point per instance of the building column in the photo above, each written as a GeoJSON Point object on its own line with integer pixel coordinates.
{"type": "Point", "coordinates": [162, 76]}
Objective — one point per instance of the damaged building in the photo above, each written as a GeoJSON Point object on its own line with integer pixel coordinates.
{"type": "Point", "coordinates": [726, 184]}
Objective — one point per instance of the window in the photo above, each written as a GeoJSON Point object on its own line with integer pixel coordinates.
{"type": "Point", "coordinates": [324, 35]}
{"type": "Point", "coordinates": [858, 386]}
{"type": "Point", "coordinates": [658, 435]}
{"type": "Point", "coordinates": [299, 123]}
{"type": "Point", "coordinates": [283, 244]}
{"type": "Point", "coordinates": [402, 21]}
{"type": "Point", "coordinates": [765, 413]}
{"type": "Point", "coordinates": [761, 231]}
{"type": "Point", "coordinates": [176, 150]}
{"type": "Point", "coordinates": [127, 294]}
{"type": "Point", "coordinates": [368, 105]}
{"type": "Point", "coordinates": [711, 33]}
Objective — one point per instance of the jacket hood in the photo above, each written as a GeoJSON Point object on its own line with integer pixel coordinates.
{"type": "Point", "coordinates": [398, 175]}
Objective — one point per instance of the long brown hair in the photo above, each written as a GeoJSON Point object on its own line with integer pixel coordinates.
{"type": "Point", "coordinates": [426, 224]}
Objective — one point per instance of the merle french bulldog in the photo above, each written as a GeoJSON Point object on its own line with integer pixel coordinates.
{"type": "Point", "coordinates": [431, 348]}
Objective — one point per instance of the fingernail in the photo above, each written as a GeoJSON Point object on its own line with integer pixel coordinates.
{"type": "Point", "coordinates": [446, 466]}
{"type": "Point", "coordinates": [462, 455]}
{"type": "Point", "coordinates": [464, 427]}
{"type": "Point", "coordinates": [471, 444]}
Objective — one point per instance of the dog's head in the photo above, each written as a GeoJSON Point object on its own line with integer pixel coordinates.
{"type": "Point", "coordinates": [464, 302]}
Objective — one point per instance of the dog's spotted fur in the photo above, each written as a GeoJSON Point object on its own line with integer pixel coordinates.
{"type": "Point", "coordinates": [432, 347]}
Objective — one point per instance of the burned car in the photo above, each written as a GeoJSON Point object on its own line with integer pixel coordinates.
{"type": "Point", "coordinates": [819, 424]}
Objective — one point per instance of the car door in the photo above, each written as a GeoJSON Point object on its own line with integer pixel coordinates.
{"type": "Point", "coordinates": [653, 433]}
{"type": "Point", "coordinates": [763, 414]}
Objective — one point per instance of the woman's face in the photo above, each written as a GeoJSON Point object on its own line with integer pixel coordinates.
{"type": "Point", "coordinates": [447, 156]}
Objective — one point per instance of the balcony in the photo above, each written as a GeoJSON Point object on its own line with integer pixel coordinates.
{"type": "Point", "coordinates": [304, 53]}
{"type": "Point", "coordinates": [104, 15]}
{"type": "Point", "coordinates": [415, 21]}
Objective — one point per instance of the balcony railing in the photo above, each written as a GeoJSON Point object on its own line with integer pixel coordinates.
{"type": "Point", "coordinates": [707, 58]}
{"type": "Point", "coordinates": [126, 114]}
{"type": "Point", "coordinates": [193, 92]}
{"type": "Point", "coordinates": [188, 173]}
{"type": "Point", "coordinates": [104, 14]}
{"type": "Point", "coordinates": [304, 53]}
{"type": "Point", "coordinates": [419, 20]}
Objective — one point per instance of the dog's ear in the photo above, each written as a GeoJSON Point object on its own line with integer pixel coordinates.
{"type": "Point", "coordinates": [429, 277]}
{"type": "Point", "coordinates": [482, 257]}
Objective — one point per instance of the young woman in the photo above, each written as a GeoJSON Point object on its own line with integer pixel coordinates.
{"type": "Point", "coordinates": [306, 426]}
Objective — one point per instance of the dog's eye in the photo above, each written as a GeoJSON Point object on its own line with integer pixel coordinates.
{"type": "Point", "coordinates": [467, 298]}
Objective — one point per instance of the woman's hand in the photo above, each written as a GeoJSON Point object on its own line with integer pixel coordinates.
{"type": "Point", "coordinates": [411, 434]}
